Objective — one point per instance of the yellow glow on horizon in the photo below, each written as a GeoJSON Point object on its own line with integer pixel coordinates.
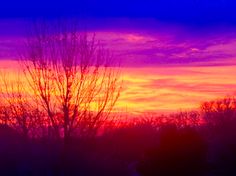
{"type": "Point", "coordinates": [162, 89]}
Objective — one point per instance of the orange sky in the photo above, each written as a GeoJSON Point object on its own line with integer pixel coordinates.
{"type": "Point", "coordinates": [167, 89]}
{"type": "Point", "coordinates": [162, 71]}
{"type": "Point", "coordinates": [164, 89]}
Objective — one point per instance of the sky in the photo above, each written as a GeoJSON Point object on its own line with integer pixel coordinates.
{"type": "Point", "coordinates": [175, 54]}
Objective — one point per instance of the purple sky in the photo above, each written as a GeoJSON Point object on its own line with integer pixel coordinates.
{"type": "Point", "coordinates": [166, 66]}
{"type": "Point", "coordinates": [142, 42]}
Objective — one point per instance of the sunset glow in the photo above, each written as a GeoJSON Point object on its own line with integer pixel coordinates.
{"type": "Point", "coordinates": [163, 89]}
{"type": "Point", "coordinates": [162, 72]}
{"type": "Point", "coordinates": [167, 64]}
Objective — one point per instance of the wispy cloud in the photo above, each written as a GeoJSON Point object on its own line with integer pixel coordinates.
{"type": "Point", "coordinates": [165, 71]}
{"type": "Point", "coordinates": [140, 49]}
{"type": "Point", "coordinates": [172, 88]}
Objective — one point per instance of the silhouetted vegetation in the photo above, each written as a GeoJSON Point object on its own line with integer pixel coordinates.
{"type": "Point", "coordinates": [186, 143]}
{"type": "Point", "coordinates": [68, 77]}
{"type": "Point", "coordinates": [179, 152]}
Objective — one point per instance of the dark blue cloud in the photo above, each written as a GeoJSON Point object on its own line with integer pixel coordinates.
{"type": "Point", "coordinates": [190, 12]}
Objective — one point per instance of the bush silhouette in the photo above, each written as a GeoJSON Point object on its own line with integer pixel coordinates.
{"type": "Point", "coordinates": [180, 152]}
{"type": "Point", "coordinates": [220, 122]}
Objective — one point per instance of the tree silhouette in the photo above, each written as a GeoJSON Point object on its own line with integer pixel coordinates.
{"type": "Point", "coordinates": [219, 113]}
{"type": "Point", "coordinates": [73, 78]}
{"type": "Point", "coordinates": [16, 111]}
{"type": "Point", "coordinates": [180, 152]}
{"type": "Point", "coordinates": [74, 81]}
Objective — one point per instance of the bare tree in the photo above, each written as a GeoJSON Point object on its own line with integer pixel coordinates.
{"type": "Point", "coordinates": [16, 111]}
{"type": "Point", "coordinates": [73, 78]}
{"type": "Point", "coordinates": [219, 112]}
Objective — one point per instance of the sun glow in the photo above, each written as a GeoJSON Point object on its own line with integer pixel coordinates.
{"type": "Point", "coordinates": [157, 89]}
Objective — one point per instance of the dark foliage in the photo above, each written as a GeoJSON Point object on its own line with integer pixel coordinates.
{"type": "Point", "coordinates": [180, 152]}
{"type": "Point", "coordinates": [186, 144]}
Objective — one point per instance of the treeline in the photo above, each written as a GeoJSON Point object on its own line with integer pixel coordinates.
{"type": "Point", "coordinates": [186, 143]}
{"type": "Point", "coordinates": [34, 122]}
